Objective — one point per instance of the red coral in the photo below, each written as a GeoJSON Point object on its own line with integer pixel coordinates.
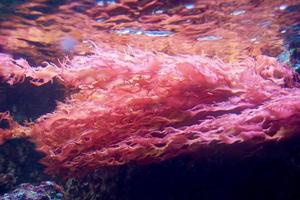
{"type": "Point", "coordinates": [143, 106]}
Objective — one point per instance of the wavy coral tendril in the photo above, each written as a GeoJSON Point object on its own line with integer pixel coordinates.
{"type": "Point", "coordinates": [141, 106]}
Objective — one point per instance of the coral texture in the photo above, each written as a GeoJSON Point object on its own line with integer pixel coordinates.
{"type": "Point", "coordinates": [133, 105]}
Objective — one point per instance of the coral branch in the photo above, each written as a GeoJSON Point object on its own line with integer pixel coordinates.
{"type": "Point", "coordinates": [142, 106]}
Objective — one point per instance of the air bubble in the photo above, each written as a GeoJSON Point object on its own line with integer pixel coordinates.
{"type": "Point", "coordinates": [157, 33]}
{"type": "Point", "coordinates": [283, 7]}
{"type": "Point", "coordinates": [209, 38]}
{"type": "Point", "coordinates": [238, 12]}
{"type": "Point", "coordinates": [105, 2]}
{"type": "Point", "coordinates": [189, 6]}
{"type": "Point", "coordinates": [152, 33]}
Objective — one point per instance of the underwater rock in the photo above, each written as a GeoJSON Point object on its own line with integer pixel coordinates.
{"type": "Point", "coordinates": [102, 184]}
{"type": "Point", "coordinates": [19, 163]}
{"type": "Point", "coordinates": [44, 191]}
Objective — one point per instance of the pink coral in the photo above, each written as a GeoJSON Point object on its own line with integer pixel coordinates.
{"type": "Point", "coordinates": [143, 106]}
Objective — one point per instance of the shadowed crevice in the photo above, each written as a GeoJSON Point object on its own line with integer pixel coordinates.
{"type": "Point", "coordinates": [27, 102]}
